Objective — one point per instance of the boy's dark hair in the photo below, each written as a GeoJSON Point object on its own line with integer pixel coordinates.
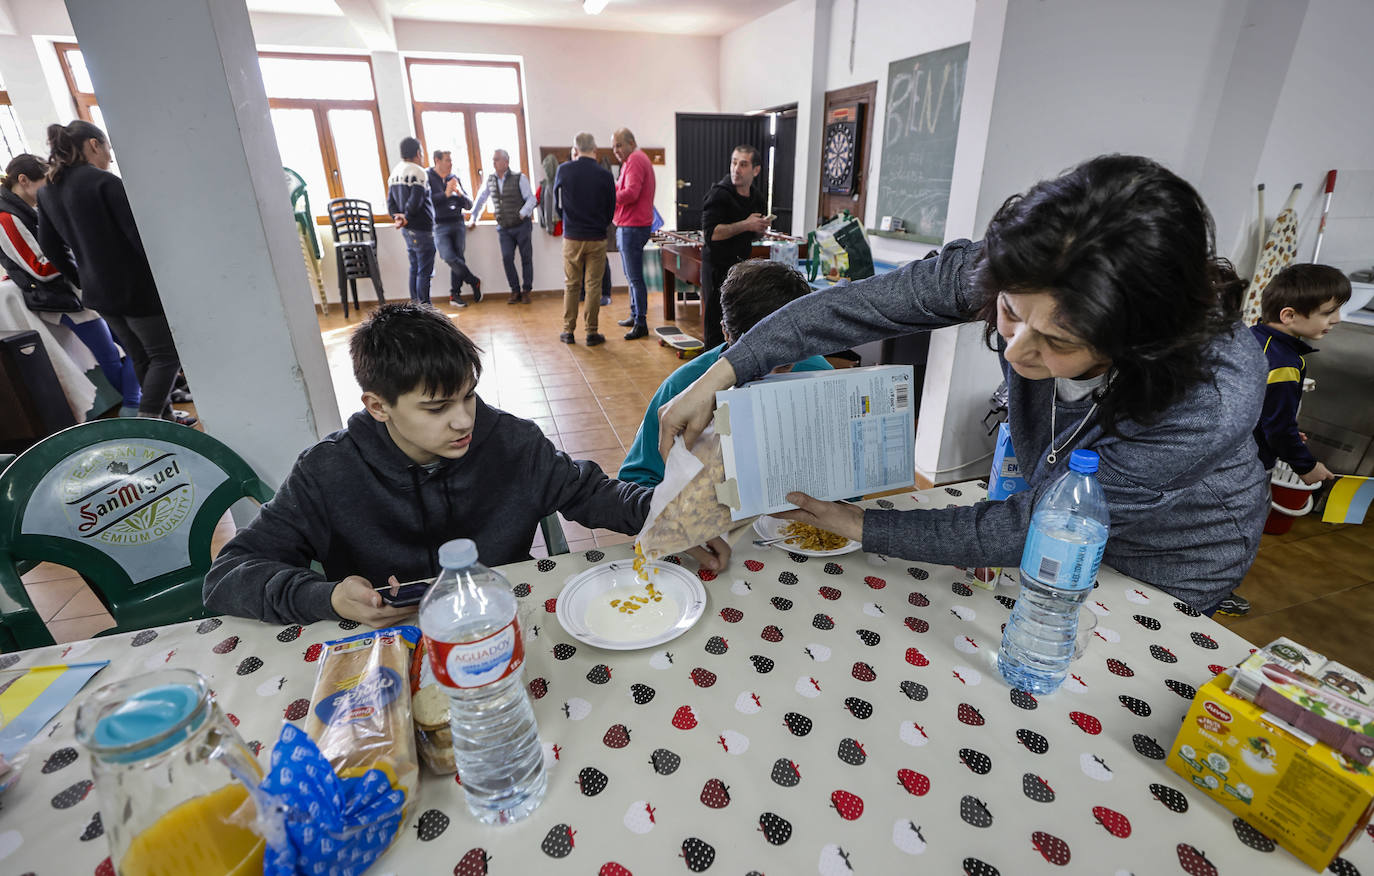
{"type": "Point", "coordinates": [752, 151]}
{"type": "Point", "coordinates": [754, 289]}
{"type": "Point", "coordinates": [68, 145]}
{"type": "Point", "coordinates": [410, 148]}
{"type": "Point", "coordinates": [1125, 247]}
{"type": "Point", "coordinates": [1304, 288]}
{"type": "Point", "coordinates": [404, 346]}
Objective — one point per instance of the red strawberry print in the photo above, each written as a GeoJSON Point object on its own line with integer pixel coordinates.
{"type": "Point", "coordinates": [1087, 723]}
{"type": "Point", "coordinates": [611, 868]}
{"type": "Point", "coordinates": [1116, 667]}
{"type": "Point", "coordinates": [298, 709]}
{"type": "Point", "coordinates": [618, 736]}
{"type": "Point", "coordinates": [227, 645]}
{"type": "Point", "coordinates": [539, 687]}
{"type": "Point", "coordinates": [233, 719]}
{"type": "Point", "coordinates": [916, 624]}
{"type": "Point", "coordinates": [969, 715]}
{"type": "Point", "coordinates": [313, 652]}
{"type": "Point", "coordinates": [1054, 849]}
{"type": "Point", "coordinates": [105, 868]}
{"type": "Point", "coordinates": [771, 633]}
{"type": "Point", "coordinates": [918, 599]}
{"type": "Point", "coordinates": [875, 582]}
{"type": "Point", "coordinates": [753, 565]}
{"type": "Point", "coordinates": [715, 794]}
{"type": "Point", "coordinates": [1215, 668]}
{"type": "Point", "coordinates": [916, 658]}
{"type": "Point", "coordinates": [551, 605]}
{"type": "Point", "coordinates": [915, 783]}
{"type": "Point", "coordinates": [1115, 823]}
{"type": "Point", "coordinates": [703, 677]}
{"type": "Point", "coordinates": [829, 593]}
{"type": "Point", "coordinates": [850, 806]}
{"type": "Point", "coordinates": [863, 672]}
{"type": "Point", "coordinates": [683, 719]}
{"type": "Point", "coordinates": [731, 615]}
{"type": "Point", "coordinates": [1194, 861]}
{"type": "Point", "coordinates": [706, 574]}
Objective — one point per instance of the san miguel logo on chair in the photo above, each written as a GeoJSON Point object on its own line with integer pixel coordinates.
{"type": "Point", "coordinates": [127, 494]}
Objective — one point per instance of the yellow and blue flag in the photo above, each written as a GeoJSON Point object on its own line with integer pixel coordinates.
{"type": "Point", "coordinates": [1349, 500]}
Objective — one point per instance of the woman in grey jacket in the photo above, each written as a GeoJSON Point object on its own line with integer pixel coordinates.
{"type": "Point", "coordinates": [1117, 329]}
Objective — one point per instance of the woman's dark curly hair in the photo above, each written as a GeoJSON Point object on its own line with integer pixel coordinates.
{"type": "Point", "coordinates": [1126, 249]}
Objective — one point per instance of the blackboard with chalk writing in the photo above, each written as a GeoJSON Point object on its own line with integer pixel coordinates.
{"type": "Point", "coordinates": [919, 133]}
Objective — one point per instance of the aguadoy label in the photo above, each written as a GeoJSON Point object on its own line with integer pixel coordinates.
{"type": "Point", "coordinates": [127, 494]}
{"type": "Point", "coordinates": [479, 662]}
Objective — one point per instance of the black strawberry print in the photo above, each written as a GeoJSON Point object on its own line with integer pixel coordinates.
{"type": "Point", "coordinates": [788, 578]}
{"type": "Point", "coordinates": [522, 589]}
{"type": "Point", "coordinates": [1147, 746]}
{"type": "Point", "coordinates": [1023, 700]}
{"type": "Point", "coordinates": [918, 573]}
{"type": "Point", "coordinates": [1162, 654]}
{"type": "Point", "coordinates": [974, 811]}
{"type": "Point", "coordinates": [255, 746]}
{"type": "Point", "coordinates": [851, 751]}
{"type": "Point", "coordinates": [558, 842]}
{"type": "Point", "coordinates": [916, 624]}
{"type": "Point", "coordinates": [697, 854]}
{"type": "Point", "coordinates": [776, 829]}
{"type": "Point", "coordinates": [641, 693]}
{"type": "Point", "coordinates": [1116, 667]}
{"type": "Point", "coordinates": [731, 615]}
{"type": "Point", "coordinates": [347, 625]}
{"type": "Point", "coordinates": [599, 674]}
{"type": "Point", "coordinates": [143, 638]}
{"type": "Point", "coordinates": [564, 651]}
{"type": "Point", "coordinates": [954, 492]}
{"type": "Point", "coordinates": [796, 558]}
{"type": "Point", "coordinates": [969, 715]}
{"type": "Point", "coordinates": [62, 757]}
{"type": "Point", "coordinates": [1342, 867]}
{"type": "Point", "coordinates": [1183, 689]}
{"type": "Point", "coordinates": [594, 556]}
{"type": "Point", "coordinates": [914, 690]}
{"type": "Point", "coordinates": [761, 664]}
{"type": "Point", "coordinates": [959, 588]}
{"type": "Point", "coordinates": [1054, 849]}
{"type": "Point", "coordinates": [1185, 608]}
{"type": "Point", "coordinates": [918, 599]}
{"type": "Point", "coordinates": [290, 634]}
{"type": "Point", "coordinates": [539, 688]}
{"type": "Point", "coordinates": [976, 867]}
{"type": "Point", "coordinates": [781, 603]}
{"type": "Point", "coordinates": [618, 736]}
{"type": "Point", "coordinates": [703, 677]}
{"type": "Point", "coordinates": [1112, 821]}
{"type": "Point", "coordinates": [823, 622]}
{"type": "Point", "coordinates": [785, 773]}
{"type": "Point", "coordinates": [1034, 742]}
{"type": "Point", "coordinates": [1202, 640]}
{"type": "Point", "coordinates": [715, 794]}
{"type": "Point", "coordinates": [592, 781]}
{"type": "Point", "coordinates": [975, 760]}
{"type": "Point", "coordinates": [1246, 833]}
{"type": "Point", "coordinates": [859, 708]}
{"type": "Point", "coordinates": [829, 593]}
{"type": "Point", "coordinates": [227, 645]}
{"type": "Point", "coordinates": [833, 569]}
{"type": "Point", "coordinates": [885, 504]}
{"type": "Point", "coordinates": [1007, 602]}
{"type": "Point", "coordinates": [664, 762]}
{"type": "Point", "coordinates": [72, 795]}
{"type": "Point", "coordinates": [1172, 799]}
{"type": "Point", "coordinates": [248, 666]}
{"type": "Point", "coordinates": [799, 724]}
{"type": "Point", "coordinates": [209, 626]}
{"type": "Point", "coordinates": [430, 824]}
{"type": "Point", "coordinates": [863, 672]}
{"type": "Point", "coordinates": [716, 645]}
{"type": "Point", "coordinates": [93, 829]}
{"type": "Point", "coordinates": [868, 637]}
{"type": "Point", "coordinates": [546, 565]}
{"type": "Point", "coordinates": [298, 709]}
{"type": "Point", "coordinates": [674, 559]}
{"type": "Point", "coordinates": [1147, 622]}
{"type": "Point", "coordinates": [1037, 788]}
{"type": "Point", "coordinates": [1135, 706]}
{"type": "Point", "coordinates": [771, 633]}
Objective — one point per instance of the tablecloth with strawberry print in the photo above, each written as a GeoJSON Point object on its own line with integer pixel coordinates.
{"type": "Point", "coordinates": [837, 716]}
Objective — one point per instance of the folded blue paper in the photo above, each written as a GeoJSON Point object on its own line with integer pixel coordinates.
{"type": "Point", "coordinates": [333, 826]}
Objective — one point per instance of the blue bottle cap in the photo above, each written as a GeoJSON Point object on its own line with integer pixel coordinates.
{"type": "Point", "coordinates": [459, 553]}
{"type": "Point", "coordinates": [1083, 460]}
{"type": "Point", "coordinates": [157, 716]}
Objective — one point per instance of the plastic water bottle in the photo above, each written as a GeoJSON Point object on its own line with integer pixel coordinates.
{"type": "Point", "coordinates": [1068, 533]}
{"type": "Point", "coordinates": [470, 622]}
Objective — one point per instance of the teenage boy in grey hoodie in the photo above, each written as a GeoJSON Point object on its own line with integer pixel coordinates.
{"type": "Point", "coordinates": [426, 461]}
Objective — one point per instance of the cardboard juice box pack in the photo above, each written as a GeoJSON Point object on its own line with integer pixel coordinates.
{"type": "Point", "coordinates": [1303, 794]}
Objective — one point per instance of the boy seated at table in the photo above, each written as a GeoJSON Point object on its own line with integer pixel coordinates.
{"type": "Point", "coordinates": [752, 290]}
{"type": "Point", "coordinates": [424, 462]}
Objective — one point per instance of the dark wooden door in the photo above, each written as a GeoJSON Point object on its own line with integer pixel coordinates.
{"type": "Point", "coordinates": [863, 97]}
{"type": "Point", "coordinates": [704, 144]}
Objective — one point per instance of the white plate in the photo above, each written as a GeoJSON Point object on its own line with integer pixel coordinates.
{"type": "Point", "coordinates": [771, 527]}
{"type": "Point", "coordinates": [675, 582]}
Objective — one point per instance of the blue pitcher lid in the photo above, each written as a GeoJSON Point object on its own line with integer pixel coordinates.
{"type": "Point", "coordinates": [156, 716]}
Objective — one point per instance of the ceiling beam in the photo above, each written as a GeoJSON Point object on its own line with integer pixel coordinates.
{"type": "Point", "coordinates": [371, 20]}
{"type": "Point", "coordinates": [7, 27]}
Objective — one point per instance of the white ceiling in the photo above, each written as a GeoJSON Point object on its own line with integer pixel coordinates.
{"type": "Point", "coordinates": [695, 17]}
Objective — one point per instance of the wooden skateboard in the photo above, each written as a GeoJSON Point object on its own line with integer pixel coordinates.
{"type": "Point", "coordinates": [671, 336]}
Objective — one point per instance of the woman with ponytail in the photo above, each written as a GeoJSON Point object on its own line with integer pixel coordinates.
{"type": "Point", "coordinates": [46, 292]}
{"type": "Point", "coordinates": [86, 228]}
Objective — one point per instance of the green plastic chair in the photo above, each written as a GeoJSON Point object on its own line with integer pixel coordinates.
{"type": "Point", "coordinates": [130, 505]}
{"type": "Point", "coordinates": [554, 540]}
{"type": "Point", "coordinates": [300, 208]}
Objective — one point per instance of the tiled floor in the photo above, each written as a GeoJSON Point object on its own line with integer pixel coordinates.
{"type": "Point", "coordinates": [1314, 584]}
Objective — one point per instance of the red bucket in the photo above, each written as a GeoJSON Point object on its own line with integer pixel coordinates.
{"type": "Point", "coordinates": [1290, 498]}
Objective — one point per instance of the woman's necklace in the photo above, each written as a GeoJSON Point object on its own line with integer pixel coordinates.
{"type": "Point", "coordinates": [1055, 451]}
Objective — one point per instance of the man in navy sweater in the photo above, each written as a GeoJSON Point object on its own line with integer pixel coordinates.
{"type": "Point", "coordinates": [408, 202]}
{"type": "Point", "coordinates": [450, 233]}
{"type": "Point", "coordinates": [584, 195]}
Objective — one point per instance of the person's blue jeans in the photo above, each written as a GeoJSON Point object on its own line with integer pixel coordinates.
{"type": "Point", "coordinates": [630, 240]}
{"type": "Point", "coordinates": [420, 249]}
{"type": "Point", "coordinates": [450, 238]}
{"type": "Point", "coordinates": [119, 370]}
{"type": "Point", "coordinates": [517, 236]}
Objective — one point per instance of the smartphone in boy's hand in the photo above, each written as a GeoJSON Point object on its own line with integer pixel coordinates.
{"type": "Point", "coordinates": [409, 593]}
{"type": "Point", "coordinates": [355, 598]}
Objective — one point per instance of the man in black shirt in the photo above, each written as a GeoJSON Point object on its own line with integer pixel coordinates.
{"type": "Point", "coordinates": [730, 220]}
{"type": "Point", "coordinates": [446, 191]}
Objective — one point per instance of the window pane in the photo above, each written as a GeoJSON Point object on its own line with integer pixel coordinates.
{"type": "Point", "coordinates": [299, 145]}
{"type": "Point", "coordinates": [98, 119]}
{"type": "Point", "coordinates": [11, 140]}
{"type": "Point", "coordinates": [355, 143]}
{"type": "Point", "coordinates": [497, 131]}
{"type": "Point", "coordinates": [324, 78]}
{"type": "Point", "coordinates": [463, 83]}
{"type": "Point", "coordinates": [445, 130]}
{"type": "Point", "coordinates": [80, 76]}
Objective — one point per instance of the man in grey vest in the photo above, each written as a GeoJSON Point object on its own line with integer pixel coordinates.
{"type": "Point", "coordinates": [512, 201]}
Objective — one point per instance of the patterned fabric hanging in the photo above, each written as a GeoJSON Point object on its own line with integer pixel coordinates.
{"type": "Point", "coordinates": [1280, 250]}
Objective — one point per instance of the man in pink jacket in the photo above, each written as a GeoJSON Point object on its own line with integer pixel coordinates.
{"type": "Point", "coordinates": [634, 214]}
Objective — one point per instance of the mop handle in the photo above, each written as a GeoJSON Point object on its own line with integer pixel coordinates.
{"type": "Point", "coordinates": [1326, 208]}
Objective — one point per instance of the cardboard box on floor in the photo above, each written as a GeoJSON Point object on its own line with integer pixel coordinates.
{"type": "Point", "coordinates": [1303, 794]}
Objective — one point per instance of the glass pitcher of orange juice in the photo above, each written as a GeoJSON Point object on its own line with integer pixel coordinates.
{"type": "Point", "coordinates": [170, 773]}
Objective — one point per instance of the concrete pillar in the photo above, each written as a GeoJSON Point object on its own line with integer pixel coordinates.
{"type": "Point", "coordinates": [393, 102]}
{"type": "Point", "coordinates": [179, 85]}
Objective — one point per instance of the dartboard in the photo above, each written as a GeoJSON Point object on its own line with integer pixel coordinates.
{"type": "Point", "coordinates": [841, 142]}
